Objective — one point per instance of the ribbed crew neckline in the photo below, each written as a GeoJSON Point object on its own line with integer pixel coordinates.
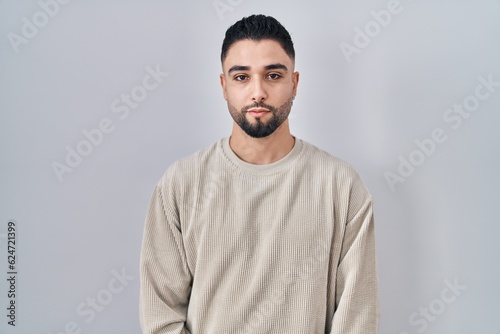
{"type": "Point", "coordinates": [265, 168]}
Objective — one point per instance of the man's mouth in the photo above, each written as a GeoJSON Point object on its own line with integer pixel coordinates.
{"type": "Point", "coordinates": [257, 112]}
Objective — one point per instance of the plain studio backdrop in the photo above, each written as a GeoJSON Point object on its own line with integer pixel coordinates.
{"type": "Point", "coordinates": [98, 98]}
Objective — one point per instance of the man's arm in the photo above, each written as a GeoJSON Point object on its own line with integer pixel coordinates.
{"type": "Point", "coordinates": [356, 297]}
{"type": "Point", "coordinates": [165, 277]}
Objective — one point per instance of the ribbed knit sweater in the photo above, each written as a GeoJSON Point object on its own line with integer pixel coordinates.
{"type": "Point", "coordinates": [233, 247]}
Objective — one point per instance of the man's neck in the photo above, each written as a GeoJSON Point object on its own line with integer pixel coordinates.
{"type": "Point", "coordinates": [262, 151]}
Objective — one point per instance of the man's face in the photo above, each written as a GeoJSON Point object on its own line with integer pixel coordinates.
{"type": "Point", "coordinates": [259, 85]}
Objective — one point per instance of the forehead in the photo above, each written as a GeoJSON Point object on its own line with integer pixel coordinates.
{"type": "Point", "coordinates": [256, 54]}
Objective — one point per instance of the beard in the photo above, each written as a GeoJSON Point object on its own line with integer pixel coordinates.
{"type": "Point", "coordinates": [259, 129]}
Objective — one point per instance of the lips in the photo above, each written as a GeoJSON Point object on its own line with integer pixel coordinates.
{"type": "Point", "coordinates": [258, 112]}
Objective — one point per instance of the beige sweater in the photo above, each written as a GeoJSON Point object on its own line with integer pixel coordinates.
{"type": "Point", "coordinates": [233, 247]}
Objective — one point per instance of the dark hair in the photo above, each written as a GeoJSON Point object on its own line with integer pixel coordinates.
{"type": "Point", "coordinates": [257, 28]}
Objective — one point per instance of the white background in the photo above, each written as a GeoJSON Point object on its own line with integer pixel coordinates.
{"type": "Point", "coordinates": [75, 233]}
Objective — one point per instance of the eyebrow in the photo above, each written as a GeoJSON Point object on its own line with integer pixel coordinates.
{"type": "Point", "coordinates": [267, 68]}
{"type": "Point", "coordinates": [276, 67]}
{"type": "Point", "coordinates": [238, 68]}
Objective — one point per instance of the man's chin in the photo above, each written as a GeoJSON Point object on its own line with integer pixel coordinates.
{"type": "Point", "coordinates": [258, 133]}
{"type": "Point", "coordinates": [256, 119]}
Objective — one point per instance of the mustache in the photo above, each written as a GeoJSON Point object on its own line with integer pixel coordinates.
{"type": "Point", "coordinates": [259, 105]}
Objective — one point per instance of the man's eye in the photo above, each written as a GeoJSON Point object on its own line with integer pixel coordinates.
{"type": "Point", "coordinates": [240, 77]}
{"type": "Point", "coordinates": [274, 76]}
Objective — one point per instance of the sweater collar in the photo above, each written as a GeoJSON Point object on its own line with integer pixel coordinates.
{"type": "Point", "coordinates": [261, 169]}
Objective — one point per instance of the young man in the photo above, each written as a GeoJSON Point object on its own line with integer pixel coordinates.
{"type": "Point", "coordinates": [261, 232]}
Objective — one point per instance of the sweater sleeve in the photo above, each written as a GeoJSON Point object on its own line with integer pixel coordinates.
{"type": "Point", "coordinates": [165, 277]}
{"type": "Point", "coordinates": [357, 303]}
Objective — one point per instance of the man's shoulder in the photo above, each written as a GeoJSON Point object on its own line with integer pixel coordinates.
{"type": "Point", "coordinates": [325, 161]}
{"type": "Point", "coordinates": [345, 180]}
{"type": "Point", "coordinates": [198, 158]}
{"type": "Point", "coordinates": [192, 163]}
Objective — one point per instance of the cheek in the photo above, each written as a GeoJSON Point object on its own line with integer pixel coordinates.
{"type": "Point", "coordinates": [235, 98]}
{"type": "Point", "coordinates": [285, 93]}
{"type": "Point", "coordinates": [232, 104]}
{"type": "Point", "coordinates": [231, 91]}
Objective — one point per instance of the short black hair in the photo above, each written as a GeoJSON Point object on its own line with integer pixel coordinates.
{"type": "Point", "coordinates": [257, 28]}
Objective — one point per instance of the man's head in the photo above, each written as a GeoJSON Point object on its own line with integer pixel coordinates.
{"type": "Point", "coordinates": [258, 80]}
{"type": "Point", "coordinates": [258, 28]}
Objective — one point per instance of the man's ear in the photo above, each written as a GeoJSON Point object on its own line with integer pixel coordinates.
{"type": "Point", "coordinates": [223, 85]}
{"type": "Point", "coordinates": [295, 79]}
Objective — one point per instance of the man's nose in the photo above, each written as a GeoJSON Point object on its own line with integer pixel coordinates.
{"type": "Point", "coordinates": [259, 93]}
